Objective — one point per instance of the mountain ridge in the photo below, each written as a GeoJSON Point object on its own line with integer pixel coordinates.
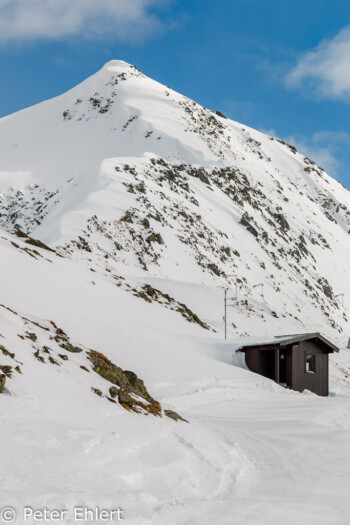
{"type": "Point", "coordinates": [259, 192]}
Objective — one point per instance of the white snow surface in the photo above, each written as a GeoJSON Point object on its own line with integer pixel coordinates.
{"type": "Point", "coordinates": [133, 184]}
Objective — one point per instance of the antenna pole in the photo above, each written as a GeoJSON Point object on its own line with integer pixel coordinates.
{"type": "Point", "coordinates": [225, 315]}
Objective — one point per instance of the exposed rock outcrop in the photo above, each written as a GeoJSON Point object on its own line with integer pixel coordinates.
{"type": "Point", "coordinates": [2, 383]}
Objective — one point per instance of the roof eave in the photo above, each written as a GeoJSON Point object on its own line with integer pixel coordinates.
{"type": "Point", "coordinates": [292, 340]}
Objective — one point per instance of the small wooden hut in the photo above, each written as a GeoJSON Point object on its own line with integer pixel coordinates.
{"type": "Point", "coordinates": [299, 361]}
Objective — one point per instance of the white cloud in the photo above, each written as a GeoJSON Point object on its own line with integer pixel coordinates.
{"type": "Point", "coordinates": [335, 139]}
{"type": "Point", "coordinates": [22, 20]}
{"type": "Point", "coordinates": [325, 70]}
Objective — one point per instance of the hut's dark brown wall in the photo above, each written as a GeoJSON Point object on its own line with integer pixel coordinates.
{"type": "Point", "coordinates": [301, 380]}
{"type": "Point", "coordinates": [252, 361]}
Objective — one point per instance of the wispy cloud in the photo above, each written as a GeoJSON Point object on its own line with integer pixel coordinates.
{"type": "Point", "coordinates": [325, 70]}
{"type": "Point", "coordinates": [326, 148]}
{"type": "Point", "coordinates": [126, 20]}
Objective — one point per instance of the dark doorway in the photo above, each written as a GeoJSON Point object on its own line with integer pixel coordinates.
{"type": "Point", "coordinates": [267, 363]}
{"type": "Point", "coordinates": [283, 366]}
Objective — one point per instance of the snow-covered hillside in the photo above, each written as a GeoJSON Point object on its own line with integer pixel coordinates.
{"type": "Point", "coordinates": [126, 209]}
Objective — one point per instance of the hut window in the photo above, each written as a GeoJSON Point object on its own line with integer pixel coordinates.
{"type": "Point", "coordinates": [310, 363]}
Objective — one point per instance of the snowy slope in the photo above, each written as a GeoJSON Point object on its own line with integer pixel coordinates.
{"type": "Point", "coordinates": [152, 205]}
{"type": "Point", "coordinates": [251, 448]}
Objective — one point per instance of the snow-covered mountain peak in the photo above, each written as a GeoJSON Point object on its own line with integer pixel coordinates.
{"type": "Point", "coordinates": [131, 176]}
{"type": "Point", "coordinates": [117, 66]}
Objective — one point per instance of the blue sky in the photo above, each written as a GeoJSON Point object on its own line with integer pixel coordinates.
{"type": "Point", "coordinates": [281, 66]}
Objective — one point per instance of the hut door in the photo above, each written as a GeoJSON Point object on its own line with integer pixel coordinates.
{"type": "Point", "coordinates": [283, 366]}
